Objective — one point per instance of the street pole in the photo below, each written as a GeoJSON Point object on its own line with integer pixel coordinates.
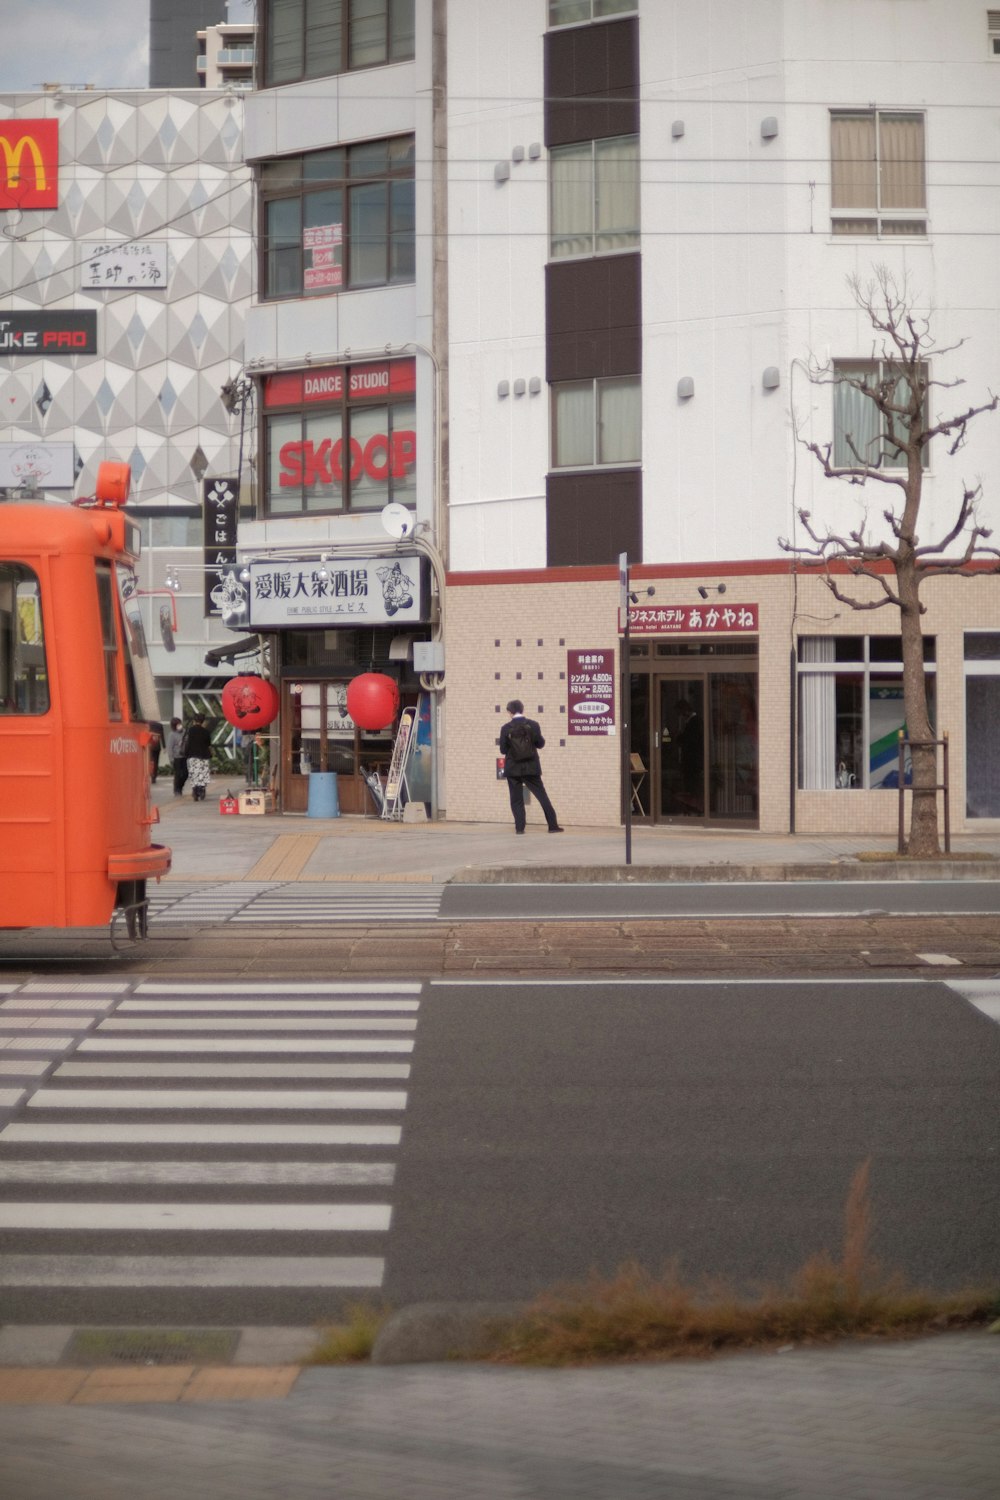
{"type": "Point", "coordinates": [626, 704]}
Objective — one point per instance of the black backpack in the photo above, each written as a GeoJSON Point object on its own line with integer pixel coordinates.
{"type": "Point", "coordinates": [520, 743]}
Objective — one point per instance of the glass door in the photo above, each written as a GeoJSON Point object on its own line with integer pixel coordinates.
{"type": "Point", "coordinates": [682, 740]}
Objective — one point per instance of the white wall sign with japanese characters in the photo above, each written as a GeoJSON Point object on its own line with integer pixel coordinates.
{"type": "Point", "coordinates": [131, 264]}
{"type": "Point", "coordinates": [590, 684]}
{"type": "Point", "coordinates": [354, 591]}
{"type": "Point", "coordinates": [692, 619]}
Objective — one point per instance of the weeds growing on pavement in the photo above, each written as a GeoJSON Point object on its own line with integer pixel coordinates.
{"type": "Point", "coordinates": [352, 1340]}
{"type": "Point", "coordinates": [636, 1315]}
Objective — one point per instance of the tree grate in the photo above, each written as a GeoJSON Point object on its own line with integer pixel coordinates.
{"type": "Point", "coordinates": [151, 1346]}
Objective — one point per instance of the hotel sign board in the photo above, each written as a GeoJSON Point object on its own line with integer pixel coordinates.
{"type": "Point", "coordinates": [692, 619]}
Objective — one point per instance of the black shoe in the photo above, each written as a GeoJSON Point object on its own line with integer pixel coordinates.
{"type": "Point", "coordinates": [518, 830]}
{"type": "Point", "coordinates": [557, 828]}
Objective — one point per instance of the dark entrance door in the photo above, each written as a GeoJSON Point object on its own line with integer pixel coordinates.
{"type": "Point", "coordinates": [682, 747]}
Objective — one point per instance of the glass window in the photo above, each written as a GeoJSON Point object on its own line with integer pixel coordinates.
{"type": "Point", "coordinates": [877, 180]}
{"type": "Point", "coordinates": [340, 218]}
{"type": "Point", "coordinates": [851, 710]}
{"type": "Point", "coordinates": [861, 436]}
{"type": "Point", "coordinates": [569, 12]}
{"type": "Point", "coordinates": [320, 38]}
{"type": "Point", "coordinates": [109, 638]}
{"type": "Point", "coordinates": [330, 455]}
{"type": "Point", "coordinates": [594, 197]}
{"type": "Point", "coordinates": [597, 423]}
{"type": "Point", "coordinates": [24, 678]}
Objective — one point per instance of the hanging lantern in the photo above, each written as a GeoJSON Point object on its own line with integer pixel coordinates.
{"type": "Point", "coordinates": [373, 700]}
{"type": "Point", "coordinates": [250, 702]}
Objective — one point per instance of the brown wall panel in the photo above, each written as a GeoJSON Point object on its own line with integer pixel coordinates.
{"type": "Point", "coordinates": [593, 517]}
{"type": "Point", "coordinates": [592, 82]}
{"type": "Point", "coordinates": [593, 317]}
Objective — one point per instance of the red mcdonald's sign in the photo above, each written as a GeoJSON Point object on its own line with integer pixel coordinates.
{"type": "Point", "coordinates": [29, 164]}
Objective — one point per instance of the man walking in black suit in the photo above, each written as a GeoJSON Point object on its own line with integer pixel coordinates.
{"type": "Point", "coordinates": [520, 741]}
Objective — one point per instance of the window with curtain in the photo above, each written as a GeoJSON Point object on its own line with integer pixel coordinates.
{"type": "Point", "coordinates": [860, 434]}
{"type": "Point", "coordinates": [597, 423]}
{"type": "Point", "coordinates": [24, 681]}
{"type": "Point", "coordinates": [320, 38]}
{"type": "Point", "coordinates": [594, 197]}
{"type": "Point", "coordinates": [338, 219]}
{"type": "Point", "coordinates": [877, 176]}
{"type": "Point", "coordinates": [851, 710]}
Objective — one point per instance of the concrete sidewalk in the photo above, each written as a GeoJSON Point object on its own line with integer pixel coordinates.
{"type": "Point", "coordinates": [881, 1421]}
{"type": "Point", "coordinates": [207, 846]}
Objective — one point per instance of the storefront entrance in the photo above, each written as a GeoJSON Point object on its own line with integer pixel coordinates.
{"type": "Point", "coordinates": [318, 735]}
{"type": "Point", "coordinates": [694, 744]}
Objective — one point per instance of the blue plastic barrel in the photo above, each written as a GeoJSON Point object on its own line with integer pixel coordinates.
{"type": "Point", "coordinates": [323, 799]}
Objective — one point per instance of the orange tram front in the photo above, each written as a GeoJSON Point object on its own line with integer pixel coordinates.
{"type": "Point", "coordinates": [76, 699]}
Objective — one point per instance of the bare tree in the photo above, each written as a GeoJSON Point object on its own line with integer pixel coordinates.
{"type": "Point", "coordinates": [898, 385]}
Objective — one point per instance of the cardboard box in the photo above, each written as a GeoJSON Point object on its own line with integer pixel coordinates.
{"type": "Point", "coordinates": [256, 802]}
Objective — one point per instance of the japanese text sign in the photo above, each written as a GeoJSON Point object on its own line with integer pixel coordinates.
{"type": "Point", "coordinates": [590, 683]}
{"type": "Point", "coordinates": [691, 619]}
{"type": "Point", "coordinates": [355, 591]}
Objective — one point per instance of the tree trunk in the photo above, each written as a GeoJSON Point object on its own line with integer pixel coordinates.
{"type": "Point", "coordinates": [923, 840]}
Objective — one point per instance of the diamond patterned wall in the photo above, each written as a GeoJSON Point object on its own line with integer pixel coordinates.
{"type": "Point", "coordinates": [167, 167]}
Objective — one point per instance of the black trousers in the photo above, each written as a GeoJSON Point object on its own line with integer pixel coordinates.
{"type": "Point", "coordinates": [516, 786]}
{"type": "Point", "coordinates": [180, 775]}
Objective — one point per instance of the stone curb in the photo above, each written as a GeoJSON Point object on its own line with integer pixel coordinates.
{"type": "Point", "coordinates": [724, 873]}
{"type": "Point", "coordinates": [431, 1332]}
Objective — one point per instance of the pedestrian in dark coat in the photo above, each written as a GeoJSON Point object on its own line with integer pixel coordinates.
{"type": "Point", "coordinates": [520, 741]}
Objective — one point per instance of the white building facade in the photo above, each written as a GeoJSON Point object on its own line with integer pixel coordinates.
{"type": "Point", "coordinates": [630, 233]}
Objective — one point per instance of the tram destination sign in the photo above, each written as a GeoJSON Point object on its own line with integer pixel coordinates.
{"type": "Point", "coordinates": [692, 619]}
{"type": "Point", "coordinates": [50, 333]}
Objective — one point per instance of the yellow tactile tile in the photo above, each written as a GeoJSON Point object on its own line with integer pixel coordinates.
{"type": "Point", "coordinates": [33, 1387]}
{"type": "Point", "coordinates": [132, 1383]}
{"type": "Point", "coordinates": [241, 1383]}
{"type": "Point", "coordinates": [286, 858]}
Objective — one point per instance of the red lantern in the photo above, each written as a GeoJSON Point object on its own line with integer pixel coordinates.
{"type": "Point", "coordinates": [250, 702]}
{"type": "Point", "coordinates": [372, 700]}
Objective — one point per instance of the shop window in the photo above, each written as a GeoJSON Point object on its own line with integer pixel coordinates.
{"type": "Point", "coordinates": [338, 219]}
{"type": "Point", "coordinates": [320, 38]}
{"type": "Point", "coordinates": [861, 436]}
{"type": "Point", "coordinates": [877, 174]}
{"type": "Point", "coordinates": [24, 680]}
{"type": "Point", "coordinates": [851, 710]}
{"type": "Point", "coordinates": [571, 12]}
{"type": "Point", "coordinates": [340, 439]}
{"type": "Point", "coordinates": [597, 423]}
{"type": "Point", "coordinates": [594, 197]}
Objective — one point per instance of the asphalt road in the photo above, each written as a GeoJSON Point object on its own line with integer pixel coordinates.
{"type": "Point", "coordinates": [232, 1153]}
{"type": "Point", "coordinates": [733, 900]}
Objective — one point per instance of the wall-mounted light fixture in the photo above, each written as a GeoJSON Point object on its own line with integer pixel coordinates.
{"type": "Point", "coordinates": [771, 378]}
{"type": "Point", "coordinates": [503, 388]}
{"type": "Point", "coordinates": [685, 388]}
{"type": "Point", "coordinates": [501, 172]}
{"type": "Point", "coordinates": [677, 129]}
{"type": "Point", "coordinates": [705, 589]}
{"type": "Point", "coordinates": [769, 127]}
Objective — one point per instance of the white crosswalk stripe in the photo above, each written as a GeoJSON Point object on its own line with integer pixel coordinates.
{"type": "Point", "coordinates": [169, 1128]}
{"type": "Point", "coordinates": [295, 902]}
{"type": "Point", "coordinates": [984, 994]}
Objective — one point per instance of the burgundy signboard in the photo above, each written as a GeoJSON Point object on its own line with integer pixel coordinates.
{"type": "Point", "coordinates": [590, 682]}
{"type": "Point", "coordinates": [691, 619]}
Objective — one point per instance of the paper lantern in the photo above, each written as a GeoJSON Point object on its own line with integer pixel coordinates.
{"type": "Point", "coordinates": [250, 702]}
{"type": "Point", "coordinates": [373, 700]}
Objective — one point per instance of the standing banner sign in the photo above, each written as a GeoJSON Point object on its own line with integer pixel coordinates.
{"type": "Point", "coordinates": [396, 790]}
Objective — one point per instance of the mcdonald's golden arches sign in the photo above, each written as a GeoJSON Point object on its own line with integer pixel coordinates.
{"type": "Point", "coordinates": [29, 164]}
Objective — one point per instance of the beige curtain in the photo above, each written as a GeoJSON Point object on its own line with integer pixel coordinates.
{"type": "Point", "coordinates": [853, 161]}
{"type": "Point", "coordinates": [901, 159]}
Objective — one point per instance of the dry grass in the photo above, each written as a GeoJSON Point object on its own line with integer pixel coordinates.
{"type": "Point", "coordinates": [882, 856]}
{"type": "Point", "coordinates": [351, 1341]}
{"type": "Point", "coordinates": [635, 1315]}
